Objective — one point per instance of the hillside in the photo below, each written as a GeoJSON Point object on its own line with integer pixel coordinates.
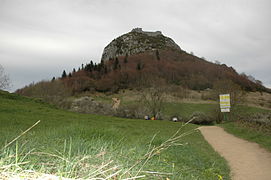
{"type": "Point", "coordinates": [171, 67]}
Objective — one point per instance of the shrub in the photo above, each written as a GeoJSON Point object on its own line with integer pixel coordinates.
{"type": "Point", "coordinates": [201, 118]}
{"type": "Point", "coordinates": [132, 111]}
{"type": "Point", "coordinates": [259, 121]}
{"type": "Point", "coordinates": [217, 115]}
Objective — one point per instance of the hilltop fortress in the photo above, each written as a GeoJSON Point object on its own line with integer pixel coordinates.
{"type": "Point", "coordinates": [138, 41]}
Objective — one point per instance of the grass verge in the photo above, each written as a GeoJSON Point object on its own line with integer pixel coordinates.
{"type": "Point", "coordinates": [250, 134]}
{"type": "Point", "coordinates": [240, 126]}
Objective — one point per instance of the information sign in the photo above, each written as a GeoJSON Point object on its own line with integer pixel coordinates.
{"type": "Point", "coordinates": [225, 103]}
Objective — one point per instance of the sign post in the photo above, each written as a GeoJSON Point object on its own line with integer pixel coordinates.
{"type": "Point", "coordinates": [225, 103]}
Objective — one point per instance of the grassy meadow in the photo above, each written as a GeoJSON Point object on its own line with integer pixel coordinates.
{"type": "Point", "coordinates": [85, 146]}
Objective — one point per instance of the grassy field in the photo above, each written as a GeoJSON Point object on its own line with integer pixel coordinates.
{"type": "Point", "coordinates": [247, 110]}
{"type": "Point", "coordinates": [185, 110]}
{"type": "Point", "coordinates": [86, 146]}
{"type": "Point", "coordinates": [184, 107]}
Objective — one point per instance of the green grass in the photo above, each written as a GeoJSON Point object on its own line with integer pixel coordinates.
{"type": "Point", "coordinates": [250, 134]}
{"type": "Point", "coordinates": [244, 131]}
{"type": "Point", "coordinates": [185, 110]}
{"type": "Point", "coordinates": [246, 110]}
{"type": "Point", "coordinates": [82, 145]}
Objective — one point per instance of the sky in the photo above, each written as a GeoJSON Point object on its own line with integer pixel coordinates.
{"type": "Point", "coordinates": [41, 38]}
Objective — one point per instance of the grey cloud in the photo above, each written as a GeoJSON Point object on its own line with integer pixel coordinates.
{"type": "Point", "coordinates": [54, 35]}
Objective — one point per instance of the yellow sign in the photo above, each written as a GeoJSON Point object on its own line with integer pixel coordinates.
{"type": "Point", "coordinates": [225, 102]}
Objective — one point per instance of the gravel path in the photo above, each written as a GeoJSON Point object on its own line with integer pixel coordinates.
{"type": "Point", "coordinates": [247, 160]}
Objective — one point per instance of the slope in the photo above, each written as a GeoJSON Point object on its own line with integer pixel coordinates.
{"type": "Point", "coordinates": [157, 67]}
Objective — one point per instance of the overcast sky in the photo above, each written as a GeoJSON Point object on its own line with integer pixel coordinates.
{"type": "Point", "coordinates": [41, 38]}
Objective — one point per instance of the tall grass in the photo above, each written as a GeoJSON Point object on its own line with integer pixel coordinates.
{"type": "Point", "coordinates": [86, 163]}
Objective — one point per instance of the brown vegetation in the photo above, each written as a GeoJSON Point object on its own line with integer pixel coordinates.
{"type": "Point", "coordinates": [50, 91]}
{"type": "Point", "coordinates": [177, 69]}
{"type": "Point", "coordinates": [261, 99]}
{"type": "Point", "coordinates": [174, 67]}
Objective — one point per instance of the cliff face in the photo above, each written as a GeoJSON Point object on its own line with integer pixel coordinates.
{"type": "Point", "coordinates": [138, 41]}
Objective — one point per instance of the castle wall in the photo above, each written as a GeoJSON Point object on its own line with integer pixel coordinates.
{"type": "Point", "coordinates": [149, 33]}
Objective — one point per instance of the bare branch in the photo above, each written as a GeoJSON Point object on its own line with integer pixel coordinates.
{"type": "Point", "coordinates": [4, 79]}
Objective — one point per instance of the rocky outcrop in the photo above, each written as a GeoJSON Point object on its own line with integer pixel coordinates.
{"type": "Point", "coordinates": [89, 106]}
{"type": "Point", "coordinates": [138, 41]}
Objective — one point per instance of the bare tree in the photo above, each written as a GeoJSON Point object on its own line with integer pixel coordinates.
{"type": "Point", "coordinates": [229, 87]}
{"type": "Point", "coordinates": [4, 79]}
{"type": "Point", "coordinates": [153, 99]}
{"type": "Point", "coordinates": [154, 96]}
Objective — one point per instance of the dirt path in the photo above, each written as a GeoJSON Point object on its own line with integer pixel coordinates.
{"type": "Point", "coordinates": [247, 160]}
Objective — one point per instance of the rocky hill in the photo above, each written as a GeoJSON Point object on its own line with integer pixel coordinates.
{"type": "Point", "coordinates": [138, 41]}
{"type": "Point", "coordinates": [138, 59]}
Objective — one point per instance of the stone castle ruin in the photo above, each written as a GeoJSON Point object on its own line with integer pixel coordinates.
{"type": "Point", "coordinates": [139, 30]}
